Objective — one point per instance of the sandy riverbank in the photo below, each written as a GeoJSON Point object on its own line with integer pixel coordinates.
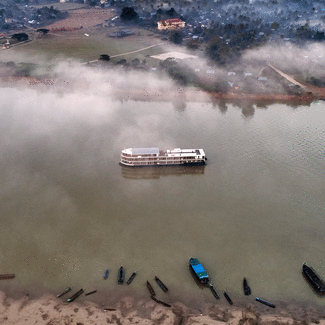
{"type": "Point", "coordinates": [50, 310]}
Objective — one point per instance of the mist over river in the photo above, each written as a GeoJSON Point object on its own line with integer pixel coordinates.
{"type": "Point", "coordinates": [69, 211]}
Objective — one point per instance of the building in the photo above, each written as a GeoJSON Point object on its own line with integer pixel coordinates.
{"type": "Point", "coordinates": [174, 23]}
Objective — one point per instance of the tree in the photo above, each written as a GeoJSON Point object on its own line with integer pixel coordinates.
{"type": "Point", "coordinates": [93, 3]}
{"type": "Point", "coordinates": [176, 37]}
{"type": "Point", "coordinates": [319, 36]}
{"type": "Point", "coordinates": [135, 62]}
{"type": "Point", "coordinates": [275, 25]}
{"type": "Point", "coordinates": [171, 12]}
{"type": "Point", "coordinates": [193, 44]}
{"type": "Point", "coordinates": [43, 31]}
{"type": "Point", "coordinates": [20, 37]}
{"type": "Point", "coordinates": [104, 57]}
{"type": "Point", "coordinates": [128, 14]}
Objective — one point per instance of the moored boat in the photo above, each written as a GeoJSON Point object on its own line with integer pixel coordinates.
{"type": "Point", "coordinates": [264, 302]}
{"type": "Point", "coordinates": [140, 157]}
{"type": "Point", "coordinates": [161, 285]}
{"type": "Point", "coordinates": [228, 298]}
{"type": "Point", "coordinates": [160, 302]}
{"type": "Point", "coordinates": [247, 289]}
{"type": "Point", "coordinates": [7, 276]}
{"type": "Point", "coordinates": [106, 274]}
{"type": "Point", "coordinates": [66, 290]}
{"type": "Point", "coordinates": [313, 278]}
{"type": "Point", "coordinates": [199, 271]}
{"type": "Point", "coordinates": [214, 291]}
{"type": "Point", "coordinates": [76, 295]}
{"type": "Point", "coordinates": [152, 292]}
{"type": "Point", "coordinates": [131, 277]}
{"type": "Point", "coordinates": [120, 277]}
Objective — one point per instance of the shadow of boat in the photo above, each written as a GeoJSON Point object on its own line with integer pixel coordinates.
{"type": "Point", "coordinates": [158, 171]}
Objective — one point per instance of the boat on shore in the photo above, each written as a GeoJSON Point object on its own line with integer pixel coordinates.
{"type": "Point", "coordinates": [152, 292]}
{"type": "Point", "coordinates": [264, 302]}
{"type": "Point", "coordinates": [247, 289]}
{"type": "Point", "coordinates": [199, 271]}
{"type": "Point", "coordinates": [7, 276]}
{"type": "Point", "coordinates": [75, 296]}
{"type": "Point", "coordinates": [161, 285]}
{"type": "Point", "coordinates": [159, 301]}
{"type": "Point", "coordinates": [131, 277]}
{"type": "Point", "coordinates": [120, 277]}
{"type": "Point", "coordinates": [313, 279]}
{"type": "Point", "coordinates": [90, 293]}
{"type": "Point", "coordinates": [214, 291]}
{"type": "Point", "coordinates": [106, 274]}
{"type": "Point", "coordinates": [141, 157]}
{"type": "Point", "coordinates": [228, 298]}
{"type": "Point", "coordinates": [66, 290]}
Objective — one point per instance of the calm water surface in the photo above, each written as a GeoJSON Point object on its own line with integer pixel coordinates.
{"type": "Point", "coordinates": [256, 210]}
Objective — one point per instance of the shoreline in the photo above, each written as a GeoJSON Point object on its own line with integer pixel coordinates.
{"type": "Point", "coordinates": [46, 308]}
{"type": "Point", "coordinates": [179, 94]}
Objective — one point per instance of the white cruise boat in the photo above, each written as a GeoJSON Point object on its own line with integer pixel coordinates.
{"type": "Point", "coordinates": [140, 157]}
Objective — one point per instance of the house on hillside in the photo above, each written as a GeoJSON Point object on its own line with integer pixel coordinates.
{"type": "Point", "coordinates": [173, 23]}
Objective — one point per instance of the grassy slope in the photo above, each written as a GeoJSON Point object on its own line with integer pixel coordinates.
{"type": "Point", "coordinates": [77, 45]}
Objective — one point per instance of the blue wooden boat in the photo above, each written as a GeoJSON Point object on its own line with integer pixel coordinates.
{"type": "Point", "coordinates": [199, 271]}
{"type": "Point", "coordinates": [264, 302]}
{"type": "Point", "coordinates": [106, 274]}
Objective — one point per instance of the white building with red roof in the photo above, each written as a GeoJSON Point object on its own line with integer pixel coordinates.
{"type": "Point", "coordinates": [173, 23]}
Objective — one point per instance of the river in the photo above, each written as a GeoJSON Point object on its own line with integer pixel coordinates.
{"type": "Point", "coordinates": [69, 211]}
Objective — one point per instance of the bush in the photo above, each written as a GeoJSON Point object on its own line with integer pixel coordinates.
{"type": "Point", "coordinates": [104, 57]}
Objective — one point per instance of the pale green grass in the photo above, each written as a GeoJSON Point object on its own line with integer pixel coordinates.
{"type": "Point", "coordinates": [84, 49]}
{"type": "Point", "coordinates": [62, 6]}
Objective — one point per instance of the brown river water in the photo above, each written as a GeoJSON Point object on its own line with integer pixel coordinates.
{"type": "Point", "coordinates": [69, 211]}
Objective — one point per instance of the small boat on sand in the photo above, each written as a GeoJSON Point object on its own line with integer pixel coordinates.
{"type": "Point", "coordinates": [90, 293]}
{"type": "Point", "coordinates": [106, 274]}
{"type": "Point", "coordinates": [120, 277]}
{"type": "Point", "coordinates": [76, 295]}
{"type": "Point", "coordinates": [313, 278]}
{"type": "Point", "coordinates": [214, 291]}
{"type": "Point", "coordinates": [131, 277]}
{"type": "Point", "coordinates": [152, 292]}
{"type": "Point", "coordinates": [7, 276]}
{"type": "Point", "coordinates": [199, 271]}
{"type": "Point", "coordinates": [228, 298]}
{"type": "Point", "coordinates": [159, 301]}
{"type": "Point", "coordinates": [264, 302]}
{"type": "Point", "coordinates": [161, 285]}
{"type": "Point", "coordinates": [247, 289]}
{"type": "Point", "coordinates": [66, 290]}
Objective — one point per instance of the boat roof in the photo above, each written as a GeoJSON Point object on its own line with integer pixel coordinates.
{"type": "Point", "coordinates": [198, 269]}
{"type": "Point", "coordinates": [144, 151]}
{"type": "Point", "coordinates": [156, 151]}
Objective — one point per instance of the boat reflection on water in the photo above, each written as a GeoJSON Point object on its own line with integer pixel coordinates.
{"type": "Point", "coordinates": [156, 172]}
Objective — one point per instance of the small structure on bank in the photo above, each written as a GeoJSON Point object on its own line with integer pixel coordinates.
{"type": "Point", "coordinates": [6, 45]}
{"type": "Point", "coordinates": [174, 23]}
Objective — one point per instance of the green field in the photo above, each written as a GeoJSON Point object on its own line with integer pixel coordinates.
{"type": "Point", "coordinates": [84, 48]}
{"type": "Point", "coordinates": [62, 6]}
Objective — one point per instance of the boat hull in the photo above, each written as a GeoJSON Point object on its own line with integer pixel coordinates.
{"type": "Point", "coordinates": [199, 272]}
{"type": "Point", "coordinates": [313, 279]}
{"type": "Point", "coordinates": [164, 165]}
{"type": "Point", "coordinates": [142, 157]}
